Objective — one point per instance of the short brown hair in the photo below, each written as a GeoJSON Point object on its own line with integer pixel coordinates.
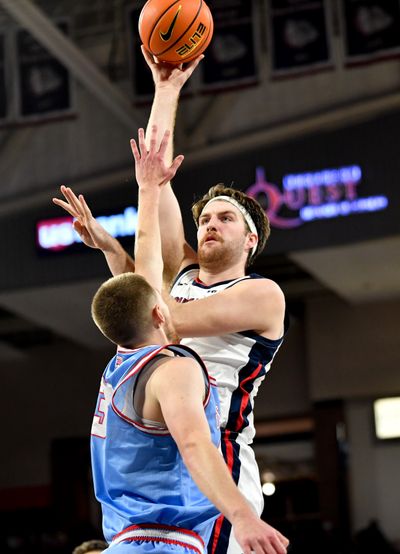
{"type": "Point", "coordinates": [89, 546]}
{"type": "Point", "coordinates": [121, 309]}
{"type": "Point", "coordinates": [256, 212]}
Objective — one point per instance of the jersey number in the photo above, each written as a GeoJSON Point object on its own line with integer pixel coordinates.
{"type": "Point", "coordinates": [99, 425]}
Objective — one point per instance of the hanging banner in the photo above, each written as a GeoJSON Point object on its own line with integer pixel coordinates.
{"type": "Point", "coordinates": [231, 58]}
{"type": "Point", "coordinates": [44, 83]}
{"type": "Point", "coordinates": [298, 37]}
{"type": "Point", "coordinates": [371, 30]}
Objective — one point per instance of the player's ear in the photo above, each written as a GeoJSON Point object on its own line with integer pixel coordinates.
{"type": "Point", "coordinates": [158, 316]}
{"type": "Point", "coordinates": [252, 240]}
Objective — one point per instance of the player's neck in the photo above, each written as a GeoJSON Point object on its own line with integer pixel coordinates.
{"type": "Point", "coordinates": [210, 275]}
{"type": "Point", "coordinates": [157, 336]}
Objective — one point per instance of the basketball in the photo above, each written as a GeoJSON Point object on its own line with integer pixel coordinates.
{"type": "Point", "coordinates": [175, 31]}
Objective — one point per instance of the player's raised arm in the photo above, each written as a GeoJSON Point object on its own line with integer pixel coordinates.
{"type": "Point", "coordinates": [178, 386]}
{"type": "Point", "coordinates": [92, 233]}
{"type": "Point", "coordinates": [168, 82]}
{"type": "Point", "coordinates": [152, 173]}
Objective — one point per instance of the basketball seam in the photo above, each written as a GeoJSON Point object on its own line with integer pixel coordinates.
{"type": "Point", "coordinates": [188, 27]}
{"type": "Point", "coordinates": [158, 20]}
{"type": "Point", "coordinates": [210, 26]}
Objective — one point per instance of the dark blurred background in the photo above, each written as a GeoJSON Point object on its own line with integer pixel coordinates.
{"type": "Point", "coordinates": [298, 103]}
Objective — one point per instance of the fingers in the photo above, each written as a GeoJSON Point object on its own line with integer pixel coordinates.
{"type": "Point", "coordinates": [267, 544]}
{"type": "Point", "coordinates": [170, 174]}
{"type": "Point", "coordinates": [176, 164]}
{"type": "Point", "coordinates": [72, 204]}
{"type": "Point", "coordinates": [65, 206]}
{"type": "Point", "coordinates": [79, 228]}
{"type": "Point", "coordinates": [283, 539]}
{"type": "Point", "coordinates": [148, 57]}
{"type": "Point", "coordinates": [279, 548]}
{"type": "Point", "coordinates": [141, 151]}
{"type": "Point", "coordinates": [279, 543]}
{"type": "Point", "coordinates": [164, 142]}
{"type": "Point", "coordinates": [266, 548]}
{"type": "Point", "coordinates": [153, 140]}
{"type": "Point", "coordinates": [72, 200]}
{"type": "Point", "coordinates": [142, 142]}
{"type": "Point", "coordinates": [85, 208]}
{"type": "Point", "coordinates": [135, 150]}
{"type": "Point", "coordinates": [191, 66]}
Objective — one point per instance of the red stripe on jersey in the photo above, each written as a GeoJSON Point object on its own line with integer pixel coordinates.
{"type": "Point", "coordinates": [159, 526]}
{"type": "Point", "coordinates": [229, 451]}
{"type": "Point", "coordinates": [245, 397]}
{"type": "Point", "coordinates": [229, 462]}
{"type": "Point", "coordinates": [217, 532]}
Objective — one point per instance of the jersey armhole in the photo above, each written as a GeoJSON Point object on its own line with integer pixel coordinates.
{"type": "Point", "coordinates": [182, 272]}
{"type": "Point", "coordinates": [146, 373]}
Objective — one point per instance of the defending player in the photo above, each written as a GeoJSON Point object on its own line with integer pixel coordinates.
{"type": "Point", "coordinates": [154, 432]}
{"type": "Point", "coordinates": [237, 320]}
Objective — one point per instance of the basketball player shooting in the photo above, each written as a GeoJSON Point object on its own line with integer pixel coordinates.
{"type": "Point", "coordinates": [237, 319]}
{"type": "Point", "coordinates": [157, 408]}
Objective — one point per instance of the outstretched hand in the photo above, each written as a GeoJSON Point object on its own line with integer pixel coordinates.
{"type": "Point", "coordinates": [150, 167]}
{"type": "Point", "coordinates": [168, 75]}
{"type": "Point", "coordinates": [259, 537]}
{"type": "Point", "coordinates": [90, 230]}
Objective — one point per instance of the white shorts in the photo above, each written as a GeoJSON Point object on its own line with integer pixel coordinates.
{"type": "Point", "coordinates": [242, 464]}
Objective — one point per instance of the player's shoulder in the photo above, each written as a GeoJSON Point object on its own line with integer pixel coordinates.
{"type": "Point", "coordinates": [181, 373]}
{"type": "Point", "coordinates": [186, 275]}
{"type": "Point", "coordinates": [257, 284]}
{"type": "Point", "coordinates": [173, 362]}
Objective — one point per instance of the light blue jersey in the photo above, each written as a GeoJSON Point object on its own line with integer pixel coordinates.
{"type": "Point", "coordinates": [144, 487]}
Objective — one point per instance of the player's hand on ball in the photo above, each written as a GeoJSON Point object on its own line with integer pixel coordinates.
{"type": "Point", "coordinates": [170, 76]}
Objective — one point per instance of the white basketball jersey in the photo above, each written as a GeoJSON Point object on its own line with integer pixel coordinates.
{"type": "Point", "coordinates": [237, 361]}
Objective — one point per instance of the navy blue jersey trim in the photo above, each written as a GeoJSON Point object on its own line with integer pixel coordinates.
{"type": "Point", "coordinates": [186, 352]}
{"type": "Point", "coordinates": [256, 276]}
{"type": "Point", "coordinates": [286, 322]}
{"type": "Point", "coordinates": [260, 356]}
{"type": "Point", "coordinates": [245, 277]}
{"type": "Point", "coordinates": [203, 286]}
{"type": "Point", "coordinates": [232, 281]}
{"type": "Point", "coordinates": [224, 533]}
{"type": "Point", "coordinates": [183, 271]}
{"type": "Point", "coordinates": [266, 341]}
{"type": "Point", "coordinates": [260, 339]}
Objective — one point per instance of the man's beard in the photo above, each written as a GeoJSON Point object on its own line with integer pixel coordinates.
{"type": "Point", "coordinates": [220, 256]}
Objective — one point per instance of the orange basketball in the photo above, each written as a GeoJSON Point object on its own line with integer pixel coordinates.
{"type": "Point", "coordinates": [176, 31]}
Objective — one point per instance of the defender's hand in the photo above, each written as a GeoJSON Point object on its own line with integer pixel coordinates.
{"type": "Point", "coordinates": [150, 167]}
{"type": "Point", "coordinates": [259, 537]}
{"type": "Point", "coordinates": [90, 230]}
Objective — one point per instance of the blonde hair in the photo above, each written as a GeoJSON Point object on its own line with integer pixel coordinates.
{"type": "Point", "coordinates": [256, 212]}
{"type": "Point", "coordinates": [122, 309]}
{"type": "Point", "coordinates": [90, 546]}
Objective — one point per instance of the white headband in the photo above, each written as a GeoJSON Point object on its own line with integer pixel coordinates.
{"type": "Point", "coordinates": [247, 217]}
